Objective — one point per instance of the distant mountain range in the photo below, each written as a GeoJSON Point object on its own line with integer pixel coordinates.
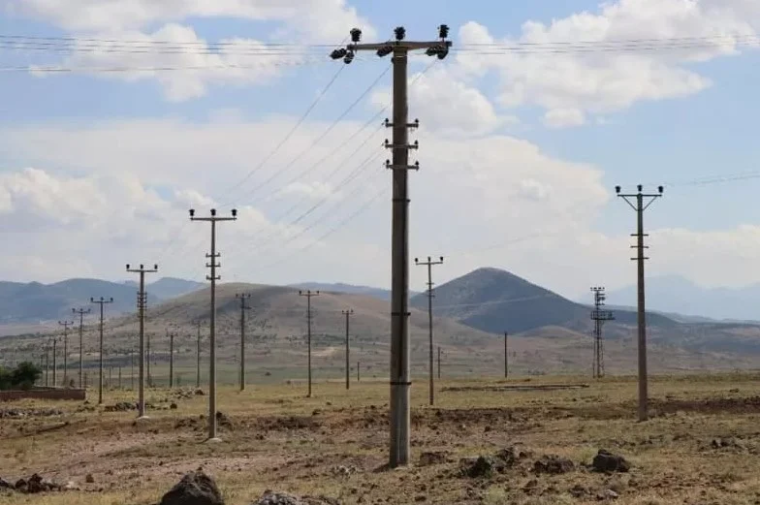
{"type": "Point", "coordinates": [675, 294]}
{"type": "Point", "coordinates": [34, 302]}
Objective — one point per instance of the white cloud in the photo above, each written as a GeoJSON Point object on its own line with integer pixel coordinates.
{"type": "Point", "coordinates": [563, 118]}
{"type": "Point", "coordinates": [313, 190]}
{"type": "Point", "coordinates": [315, 20]}
{"type": "Point", "coordinates": [547, 67]}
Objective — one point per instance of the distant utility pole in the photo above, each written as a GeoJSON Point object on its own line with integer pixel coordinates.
{"type": "Point", "coordinates": [358, 371]}
{"type": "Point", "coordinates": [55, 366]}
{"type": "Point", "coordinates": [308, 294]}
{"type": "Point", "coordinates": [348, 313]}
{"type": "Point", "coordinates": [506, 354]}
{"type": "Point", "coordinates": [102, 302]}
{"type": "Point", "coordinates": [213, 265]}
{"type": "Point", "coordinates": [66, 325]}
{"type": "Point", "coordinates": [599, 316]}
{"type": "Point", "coordinates": [639, 202]}
{"type": "Point", "coordinates": [132, 369]}
{"type": "Point", "coordinates": [47, 365]}
{"type": "Point", "coordinates": [439, 362]}
{"type": "Point", "coordinates": [142, 303]}
{"type": "Point", "coordinates": [150, 377]}
{"type": "Point", "coordinates": [400, 379]}
{"type": "Point", "coordinates": [81, 313]}
{"type": "Point", "coordinates": [171, 359]}
{"type": "Point", "coordinates": [120, 377]}
{"type": "Point", "coordinates": [430, 264]}
{"type": "Point", "coordinates": [243, 297]}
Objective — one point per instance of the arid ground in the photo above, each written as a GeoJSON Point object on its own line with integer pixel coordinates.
{"type": "Point", "coordinates": [700, 447]}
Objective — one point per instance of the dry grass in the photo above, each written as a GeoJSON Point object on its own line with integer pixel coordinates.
{"type": "Point", "coordinates": [281, 440]}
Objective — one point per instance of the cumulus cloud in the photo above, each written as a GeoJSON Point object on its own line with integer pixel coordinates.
{"type": "Point", "coordinates": [571, 67]}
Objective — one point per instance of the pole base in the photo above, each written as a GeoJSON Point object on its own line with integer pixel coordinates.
{"type": "Point", "coordinates": [143, 418]}
{"type": "Point", "coordinates": [215, 440]}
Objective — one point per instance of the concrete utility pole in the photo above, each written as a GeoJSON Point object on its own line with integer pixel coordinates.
{"type": "Point", "coordinates": [81, 313]}
{"type": "Point", "coordinates": [171, 359]}
{"type": "Point", "coordinates": [506, 354]}
{"type": "Point", "coordinates": [47, 365]}
{"type": "Point", "coordinates": [430, 264]}
{"type": "Point", "coordinates": [102, 302]}
{"type": "Point", "coordinates": [142, 303]}
{"type": "Point", "coordinates": [599, 317]}
{"type": "Point", "coordinates": [639, 202]}
{"type": "Point", "coordinates": [66, 325]}
{"type": "Point", "coordinates": [399, 376]}
{"type": "Point", "coordinates": [132, 369]}
{"type": "Point", "coordinates": [198, 357]}
{"type": "Point", "coordinates": [348, 313]}
{"type": "Point", "coordinates": [243, 307]}
{"type": "Point", "coordinates": [439, 362]}
{"type": "Point", "coordinates": [213, 265]}
{"type": "Point", "coordinates": [308, 294]}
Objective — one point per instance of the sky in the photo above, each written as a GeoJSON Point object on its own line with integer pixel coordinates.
{"type": "Point", "coordinates": [118, 116]}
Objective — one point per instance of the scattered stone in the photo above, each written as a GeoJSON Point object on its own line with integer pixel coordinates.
{"type": "Point", "coordinates": [433, 458]}
{"type": "Point", "coordinates": [272, 498]}
{"type": "Point", "coordinates": [343, 471]}
{"type": "Point", "coordinates": [553, 465]}
{"type": "Point", "coordinates": [199, 392]}
{"type": "Point", "coordinates": [89, 479]}
{"type": "Point", "coordinates": [607, 494]}
{"type": "Point", "coordinates": [223, 420]}
{"type": "Point", "coordinates": [5, 485]}
{"type": "Point", "coordinates": [482, 467]}
{"type": "Point", "coordinates": [36, 484]}
{"type": "Point", "coordinates": [607, 462]}
{"type": "Point", "coordinates": [578, 491]}
{"type": "Point", "coordinates": [18, 413]}
{"type": "Point", "coordinates": [195, 488]}
{"type": "Point", "coordinates": [173, 406]}
{"type": "Point", "coordinates": [71, 486]}
{"type": "Point", "coordinates": [512, 455]}
{"type": "Point", "coordinates": [121, 407]}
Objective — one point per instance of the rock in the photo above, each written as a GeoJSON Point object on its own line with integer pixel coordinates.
{"type": "Point", "coordinates": [607, 494]}
{"type": "Point", "coordinates": [5, 485]}
{"type": "Point", "coordinates": [223, 420]}
{"type": "Point", "coordinates": [20, 485]}
{"type": "Point", "coordinates": [511, 455]}
{"type": "Point", "coordinates": [433, 458]}
{"type": "Point", "coordinates": [89, 479]}
{"type": "Point", "coordinates": [553, 465]}
{"type": "Point", "coordinates": [607, 462]}
{"type": "Point", "coordinates": [270, 498]}
{"type": "Point", "coordinates": [578, 491]}
{"type": "Point", "coordinates": [199, 392]}
{"type": "Point", "coordinates": [71, 486]}
{"type": "Point", "coordinates": [482, 467]}
{"type": "Point", "coordinates": [195, 488]}
{"type": "Point", "coordinates": [173, 406]}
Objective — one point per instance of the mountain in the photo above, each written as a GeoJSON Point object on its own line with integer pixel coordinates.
{"type": "Point", "coordinates": [382, 294]}
{"type": "Point", "coordinates": [495, 301]}
{"type": "Point", "coordinates": [276, 329]}
{"type": "Point", "coordinates": [679, 295]}
{"type": "Point", "coordinates": [35, 302]}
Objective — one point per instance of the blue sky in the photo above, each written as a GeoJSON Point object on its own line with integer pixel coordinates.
{"type": "Point", "coordinates": [548, 138]}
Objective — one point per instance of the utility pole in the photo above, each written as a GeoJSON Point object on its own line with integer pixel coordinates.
{"type": "Point", "coordinates": [399, 374]}
{"type": "Point", "coordinates": [639, 202]}
{"type": "Point", "coordinates": [150, 377]}
{"type": "Point", "coordinates": [142, 304]}
{"type": "Point", "coordinates": [81, 313]}
{"type": "Point", "coordinates": [243, 307]}
{"type": "Point", "coordinates": [171, 359]}
{"type": "Point", "coordinates": [132, 369]}
{"type": "Point", "coordinates": [308, 294]}
{"type": "Point", "coordinates": [119, 377]}
{"type": "Point", "coordinates": [213, 265]}
{"type": "Point", "coordinates": [439, 362]}
{"type": "Point", "coordinates": [55, 366]}
{"type": "Point", "coordinates": [66, 325]}
{"type": "Point", "coordinates": [599, 317]}
{"type": "Point", "coordinates": [348, 313]}
{"type": "Point", "coordinates": [430, 264]}
{"type": "Point", "coordinates": [47, 365]}
{"type": "Point", "coordinates": [102, 302]}
{"type": "Point", "coordinates": [506, 354]}
{"type": "Point", "coordinates": [358, 371]}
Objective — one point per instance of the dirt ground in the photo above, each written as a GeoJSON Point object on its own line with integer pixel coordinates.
{"type": "Point", "coordinates": [700, 447]}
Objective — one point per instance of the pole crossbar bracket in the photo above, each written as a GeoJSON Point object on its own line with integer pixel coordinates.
{"type": "Point", "coordinates": [415, 124]}
{"type": "Point", "coordinates": [391, 166]}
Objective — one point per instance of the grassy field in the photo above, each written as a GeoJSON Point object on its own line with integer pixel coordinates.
{"type": "Point", "coordinates": [699, 448]}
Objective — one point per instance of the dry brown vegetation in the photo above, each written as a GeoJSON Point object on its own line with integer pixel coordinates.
{"type": "Point", "coordinates": [699, 448]}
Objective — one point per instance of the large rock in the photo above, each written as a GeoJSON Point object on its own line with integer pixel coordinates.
{"type": "Point", "coordinates": [195, 488]}
{"type": "Point", "coordinates": [272, 498]}
{"type": "Point", "coordinates": [484, 466]}
{"type": "Point", "coordinates": [607, 462]}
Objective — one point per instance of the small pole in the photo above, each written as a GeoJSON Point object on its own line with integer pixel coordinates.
{"type": "Point", "coordinates": [55, 381]}
{"type": "Point", "coordinates": [171, 360]}
{"type": "Point", "coordinates": [347, 313]}
{"type": "Point", "coordinates": [309, 294]}
{"type": "Point", "coordinates": [119, 376]}
{"type": "Point", "coordinates": [506, 355]}
{"type": "Point", "coordinates": [439, 361]}
{"type": "Point", "coordinates": [358, 371]}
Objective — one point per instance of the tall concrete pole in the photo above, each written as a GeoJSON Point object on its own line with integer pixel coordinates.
{"type": "Point", "coordinates": [81, 313]}
{"type": "Point", "coordinates": [399, 377]}
{"type": "Point", "coordinates": [639, 204]}
{"type": "Point", "coordinates": [102, 302]}
{"type": "Point", "coordinates": [198, 358]}
{"type": "Point", "coordinates": [213, 265]}
{"type": "Point", "coordinates": [243, 307]}
{"type": "Point", "coordinates": [308, 294]}
{"type": "Point", "coordinates": [348, 313]}
{"type": "Point", "coordinates": [142, 303]}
